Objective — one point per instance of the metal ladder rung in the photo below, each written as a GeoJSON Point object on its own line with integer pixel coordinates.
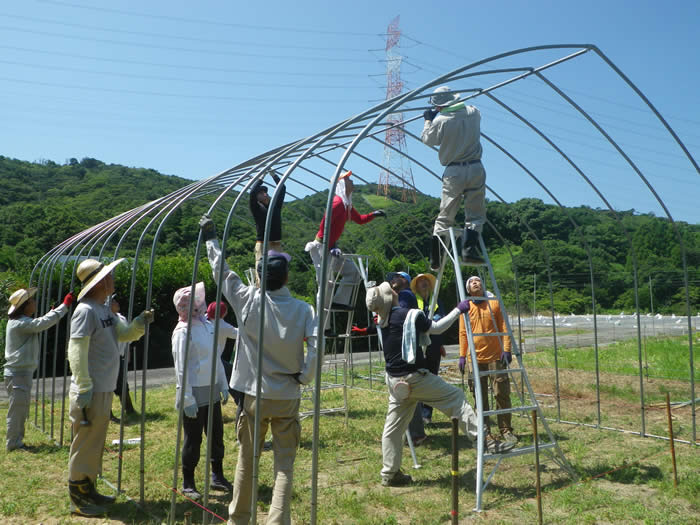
{"type": "Point", "coordinates": [487, 334]}
{"type": "Point", "coordinates": [509, 410]}
{"type": "Point", "coordinates": [504, 371]}
{"type": "Point", "coordinates": [335, 361]}
{"type": "Point", "coordinates": [519, 451]}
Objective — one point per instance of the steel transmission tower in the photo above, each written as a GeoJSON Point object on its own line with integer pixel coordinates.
{"type": "Point", "coordinates": [397, 169]}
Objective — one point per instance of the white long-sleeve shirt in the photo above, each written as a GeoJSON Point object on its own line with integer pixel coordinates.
{"type": "Point", "coordinates": [288, 321]}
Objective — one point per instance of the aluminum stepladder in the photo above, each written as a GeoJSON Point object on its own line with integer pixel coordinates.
{"type": "Point", "coordinates": [335, 359]}
{"type": "Point", "coordinates": [528, 402]}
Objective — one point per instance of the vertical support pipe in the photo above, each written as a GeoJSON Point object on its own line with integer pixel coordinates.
{"type": "Point", "coordinates": [455, 472]}
{"type": "Point", "coordinates": [670, 436]}
{"type": "Point", "coordinates": [537, 466]}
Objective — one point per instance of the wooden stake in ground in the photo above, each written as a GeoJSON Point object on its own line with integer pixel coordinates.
{"type": "Point", "coordinates": [537, 467]}
{"type": "Point", "coordinates": [455, 472]}
{"type": "Point", "coordinates": [670, 435]}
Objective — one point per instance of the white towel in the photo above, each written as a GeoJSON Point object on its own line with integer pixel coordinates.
{"type": "Point", "coordinates": [409, 341]}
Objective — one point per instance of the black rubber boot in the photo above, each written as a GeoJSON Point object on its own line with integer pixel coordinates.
{"type": "Point", "coordinates": [97, 498]}
{"type": "Point", "coordinates": [470, 241]}
{"type": "Point", "coordinates": [81, 501]}
{"type": "Point", "coordinates": [188, 487]}
{"type": "Point", "coordinates": [435, 253]}
{"type": "Point", "coordinates": [218, 480]}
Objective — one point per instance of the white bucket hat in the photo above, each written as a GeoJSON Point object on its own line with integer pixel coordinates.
{"type": "Point", "coordinates": [443, 96]}
{"type": "Point", "coordinates": [90, 272]}
{"type": "Point", "coordinates": [379, 299]}
{"type": "Point", "coordinates": [18, 298]}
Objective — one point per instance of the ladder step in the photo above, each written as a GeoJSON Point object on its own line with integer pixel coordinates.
{"type": "Point", "coordinates": [506, 371]}
{"type": "Point", "coordinates": [510, 410]}
{"type": "Point", "coordinates": [486, 334]}
{"type": "Point", "coordinates": [519, 451]}
{"type": "Point", "coordinates": [335, 361]}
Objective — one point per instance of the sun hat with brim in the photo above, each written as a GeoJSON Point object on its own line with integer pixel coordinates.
{"type": "Point", "coordinates": [429, 276]}
{"type": "Point", "coordinates": [345, 175]}
{"type": "Point", "coordinates": [379, 299]}
{"type": "Point", "coordinates": [90, 272]}
{"type": "Point", "coordinates": [443, 96]}
{"type": "Point", "coordinates": [18, 298]}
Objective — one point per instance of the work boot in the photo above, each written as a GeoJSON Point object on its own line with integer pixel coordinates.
{"type": "Point", "coordinates": [470, 241]}
{"type": "Point", "coordinates": [188, 487]}
{"type": "Point", "coordinates": [80, 501]}
{"type": "Point", "coordinates": [218, 480]}
{"type": "Point", "coordinates": [97, 498]}
{"type": "Point", "coordinates": [493, 446]}
{"type": "Point", "coordinates": [508, 436]}
{"type": "Point", "coordinates": [397, 480]}
{"type": "Point", "coordinates": [435, 253]}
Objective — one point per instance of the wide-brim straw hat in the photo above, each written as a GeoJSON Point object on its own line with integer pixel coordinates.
{"type": "Point", "coordinates": [18, 298]}
{"type": "Point", "coordinates": [379, 299]}
{"type": "Point", "coordinates": [429, 276]}
{"type": "Point", "coordinates": [90, 272]}
{"type": "Point", "coordinates": [443, 96]}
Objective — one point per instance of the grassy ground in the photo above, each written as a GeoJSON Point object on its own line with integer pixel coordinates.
{"type": "Point", "coordinates": [623, 478]}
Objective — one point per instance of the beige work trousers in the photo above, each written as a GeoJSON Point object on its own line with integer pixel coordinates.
{"type": "Point", "coordinates": [87, 447]}
{"type": "Point", "coordinates": [19, 392]}
{"type": "Point", "coordinates": [434, 391]}
{"type": "Point", "coordinates": [462, 182]}
{"type": "Point", "coordinates": [282, 416]}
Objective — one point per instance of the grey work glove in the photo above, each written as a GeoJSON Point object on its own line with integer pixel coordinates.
{"type": "Point", "coordinates": [191, 411]}
{"type": "Point", "coordinates": [379, 213]}
{"type": "Point", "coordinates": [429, 114]}
{"type": "Point", "coordinates": [224, 395]}
{"type": "Point", "coordinates": [207, 227]}
{"type": "Point", "coordinates": [84, 399]}
{"type": "Point", "coordinates": [335, 252]}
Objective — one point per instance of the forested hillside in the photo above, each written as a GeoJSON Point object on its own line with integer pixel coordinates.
{"type": "Point", "coordinates": [44, 203]}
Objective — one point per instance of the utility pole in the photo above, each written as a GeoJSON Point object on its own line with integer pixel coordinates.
{"type": "Point", "coordinates": [651, 296]}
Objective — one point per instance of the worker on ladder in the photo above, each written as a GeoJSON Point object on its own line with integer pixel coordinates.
{"type": "Point", "coordinates": [341, 212]}
{"type": "Point", "coordinates": [456, 129]}
{"type": "Point", "coordinates": [493, 352]}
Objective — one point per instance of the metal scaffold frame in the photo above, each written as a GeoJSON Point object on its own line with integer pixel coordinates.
{"type": "Point", "coordinates": [317, 162]}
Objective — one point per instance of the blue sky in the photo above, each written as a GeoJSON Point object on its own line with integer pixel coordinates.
{"type": "Point", "coordinates": [193, 88]}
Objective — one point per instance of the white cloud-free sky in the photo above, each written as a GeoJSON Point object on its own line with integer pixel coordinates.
{"type": "Point", "coordinates": [193, 88]}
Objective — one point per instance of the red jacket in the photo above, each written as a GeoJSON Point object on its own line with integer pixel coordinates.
{"type": "Point", "coordinates": [339, 216]}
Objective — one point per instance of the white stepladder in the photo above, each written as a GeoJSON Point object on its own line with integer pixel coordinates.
{"type": "Point", "coordinates": [528, 402]}
{"type": "Point", "coordinates": [334, 359]}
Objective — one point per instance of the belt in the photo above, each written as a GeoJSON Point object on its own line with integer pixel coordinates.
{"type": "Point", "coordinates": [469, 162]}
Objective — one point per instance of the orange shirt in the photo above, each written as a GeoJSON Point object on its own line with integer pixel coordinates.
{"type": "Point", "coordinates": [488, 348]}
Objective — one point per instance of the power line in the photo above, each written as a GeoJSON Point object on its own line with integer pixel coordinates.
{"type": "Point", "coordinates": [205, 21]}
{"type": "Point", "coordinates": [180, 66]}
{"type": "Point", "coordinates": [175, 37]}
{"type": "Point", "coordinates": [181, 79]}
{"type": "Point", "coordinates": [184, 49]}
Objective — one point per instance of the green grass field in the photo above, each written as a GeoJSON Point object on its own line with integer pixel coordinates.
{"type": "Point", "coordinates": [622, 478]}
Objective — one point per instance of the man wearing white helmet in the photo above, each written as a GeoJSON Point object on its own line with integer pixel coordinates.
{"type": "Point", "coordinates": [456, 129]}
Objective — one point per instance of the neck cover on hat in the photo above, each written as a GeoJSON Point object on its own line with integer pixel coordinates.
{"type": "Point", "coordinates": [341, 192]}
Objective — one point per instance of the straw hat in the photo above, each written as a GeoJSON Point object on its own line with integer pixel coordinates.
{"type": "Point", "coordinates": [429, 276]}
{"type": "Point", "coordinates": [90, 272]}
{"type": "Point", "coordinates": [20, 297]}
{"type": "Point", "coordinates": [443, 96]}
{"type": "Point", "coordinates": [379, 299]}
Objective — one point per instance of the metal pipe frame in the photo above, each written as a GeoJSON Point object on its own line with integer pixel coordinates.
{"type": "Point", "coordinates": [295, 162]}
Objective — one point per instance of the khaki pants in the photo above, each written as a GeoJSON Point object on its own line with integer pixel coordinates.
{"type": "Point", "coordinates": [19, 391]}
{"type": "Point", "coordinates": [85, 459]}
{"type": "Point", "coordinates": [501, 392]}
{"type": "Point", "coordinates": [428, 388]}
{"type": "Point", "coordinates": [271, 245]}
{"type": "Point", "coordinates": [462, 182]}
{"type": "Point", "coordinates": [282, 416]}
